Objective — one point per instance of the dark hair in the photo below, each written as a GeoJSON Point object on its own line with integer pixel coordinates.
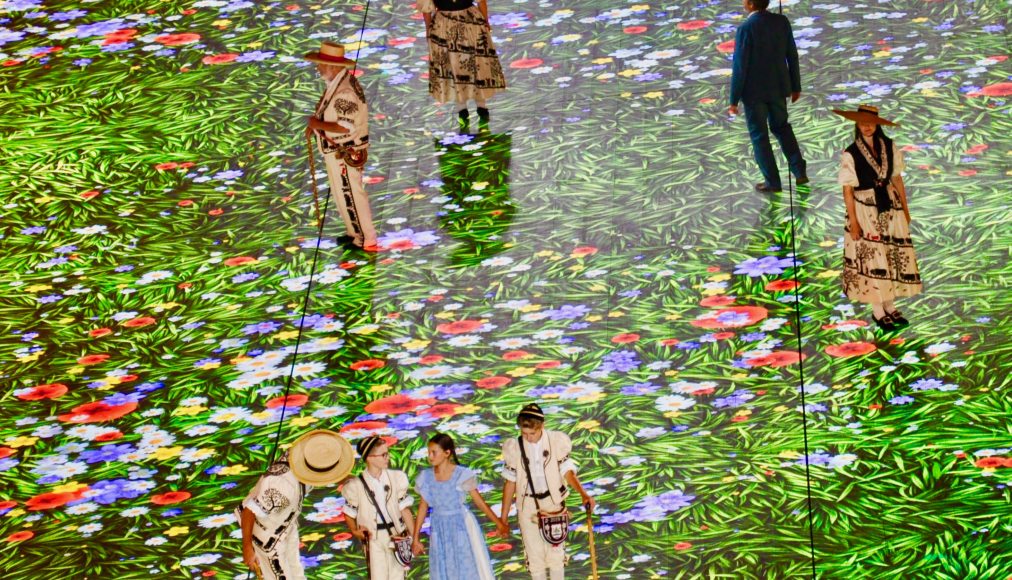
{"type": "Point", "coordinates": [879, 139]}
{"type": "Point", "coordinates": [445, 442]}
{"type": "Point", "coordinates": [527, 422]}
{"type": "Point", "coordinates": [759, 4]}
{"type": "Point", "coordinates": [878, 132]}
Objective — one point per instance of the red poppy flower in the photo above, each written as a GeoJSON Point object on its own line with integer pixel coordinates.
{"type": "Point", "coordinates": [401, 245]}
{"type": "Point", "coordinates": [683, 546]}
{"type": "Point", "coordinates": [401, 41]}
{"type": "Point", "coordinates": [703, 391]}
{"type": "Point", "coordinates": [776, 359]}
{"type": "Point", "coordinates": [19, 536]}
{"type": "Point", "coordinates": [500, 547]}
{"type": "Point", "coordinates": [6, 452]}
{"type": "Point", "coordinates": [548, 364]}
{"type": "Point", "coordinates": [874, 406]}
{"type": "Point", "coordinates": [977, 149]}
{"type": "Point", "coordinates": [216, 212]}
{"type": "Point", "coordinates": [726, 46]}
{"type": "Point", "coordinates": [39, 392]}
{"type": "Point", "coordinates": [739, 419]}
{"type": "Point", "coordinates": [239, 261]}
{"type": "Point", "coordinates": [440, 411]}
{"type": "Point", "coordinates": [732, 317]}
{"type": "Point", "coordinates": [460, 326]}
{"type": "Point", "coordinates": [223, 58]}
{"type": "Point", "coordinates": [990, 462]}
{"type": "Point", "coordinates": [170, 497]}
{"type": "Point", "coordinates": [289, 401]}
{"type": "Point", "coordinates": [669, 342]}
{"type": "Point", "coordinates": [90, 194]}
{"type": "Point", "coordinates": [96, 412]}
{"type": "Point", "coordinates": [583, 251]}
{"type": "Point", "coordinates": [493, 382]}
{"type": "Point", "coordinates": [342, 537]}
{"type": "Point", "coordinates": [693, 24]}
{"type": "Point", "coordinates": [177, 39]}
{"type": "Point", "coordinates": [11, 62]}
{"type": "Point", "coordinates": [849, 349]}
{"type": "Point", "coordinates": [723, 335]}
{"type": "Point", "coordinates": [625, 338]}
{"type": "Point", "coordinates": [110, 436]}
{"type": "Point", "coordinates": [716, 301]}
{"type": "Point", "coordinates": [139, 322]}
{"type": "Point", "coordinates": [364, 426]}
{"type": "Point", "coordinates": [6, 505]}
{"type": "Point", "coordinates": [374, 179]}
{"type": "Point", "coordinates": [367, 365]}
{"type": "Point", "coordinates": [515, 355]}
{"type": "Point", "coordinates": [527, 63]}
{"type": "Point", "coordinates": [92, 359]}
{"type": "Point", "coordinates": [781, 285]}
{"type": "Point", "coordinates": [166, 166]}
{"type": "Point", "coordinates": [351, 266]}
{"type": "Point", "coordinates": [430, 359]}
{"type": "Point", "coordinates": [844, 323]}
{"type": "Point", "coordinates": [396, 405]}
{"type": "Point", "coordinates": [99, 332]}
{"type": "Point", "coordinates": [48, 501]}
{"type": "Point", "coordinates": [119, 36]}
{"type": "Point", "coordinates": [995, 90]}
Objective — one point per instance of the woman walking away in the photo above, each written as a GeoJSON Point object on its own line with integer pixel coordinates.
{"type": "Point", "coordinates": [878, 255]}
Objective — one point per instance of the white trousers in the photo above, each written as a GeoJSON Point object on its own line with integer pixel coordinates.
{"type": "Point", "coordinates": [352, 202]}
{"type": "Point", "coordinates": [383, 565]}
{"type": "Point", "coordinates": [543, 559]}
{"type": "Point", "coordinates": [284, 561]}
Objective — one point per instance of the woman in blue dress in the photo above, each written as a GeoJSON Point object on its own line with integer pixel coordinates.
{"type": "Point", "coordinates": [458, 550]}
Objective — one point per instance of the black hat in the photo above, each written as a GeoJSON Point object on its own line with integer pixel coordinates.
{"type": "Point", "coordinates": [365, 446]}
{"type": "Point", "coordinates": [531, 411]}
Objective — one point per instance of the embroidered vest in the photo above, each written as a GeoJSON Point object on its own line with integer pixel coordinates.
{"type": "Point", "coordinates": [870, 177]}
{"type": "Point", "coordinates": [453, 5]}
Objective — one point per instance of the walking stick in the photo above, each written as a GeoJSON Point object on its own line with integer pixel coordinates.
{"type": "Point", "coordinates": [311, 152]}
{"type": "Point", "coordinates": [590, 535]}
{"type": "Point", "coordinates": [368, 561]}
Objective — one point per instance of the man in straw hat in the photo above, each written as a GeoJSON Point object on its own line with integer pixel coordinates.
{"type": "Point", "coordinates": [270, 513]}
{"type": "Point", "coordinates": [378, 509]}
{"type": "Point", "coordinates": [539, 472]}
{"type": "Point", "coordinates": [340, 124]}
{"type": "Point", "coordinates": [763, 74]}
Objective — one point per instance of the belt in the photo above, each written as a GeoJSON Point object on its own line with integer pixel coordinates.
{"type": "Point", "coordinates": [545, 494]}
{"type": "Point", "coordinates": [387, 526]}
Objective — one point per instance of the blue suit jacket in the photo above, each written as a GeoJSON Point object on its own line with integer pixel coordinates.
{"type": "Point", "coordinates": [765, 60]}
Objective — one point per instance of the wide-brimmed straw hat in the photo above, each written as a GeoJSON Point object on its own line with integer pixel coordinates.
{"type": "Point", "coordinates": [865, 114]}
{"type": "Point", "coordinates": [330, 53]}
{"type": "Point", "coordinates": [321, 457]}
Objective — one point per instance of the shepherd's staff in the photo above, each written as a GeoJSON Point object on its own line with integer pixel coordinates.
{"type": "Point", "coordinates": [590, 536]}
{"type": "Point", "coordinates": [311, 152]}
{"type": "Point", "coordinates": [368, 561]}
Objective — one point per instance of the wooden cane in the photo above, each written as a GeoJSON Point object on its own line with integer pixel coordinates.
{"type": "Point", "coordinates": [368, 560]}
{"type": "Point", "coordinates": [590, 536]}
{"type": "Point", "coordinates": [311, 152]}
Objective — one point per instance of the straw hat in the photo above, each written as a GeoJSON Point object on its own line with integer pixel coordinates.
{"type": "Point", "coordinates": [865, 114]}
{"type": "Point", "coordinates": [321, 457]}
{"type": "Point", "coordinates": [330, 53]}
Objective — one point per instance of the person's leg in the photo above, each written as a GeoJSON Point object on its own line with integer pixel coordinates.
{"type": "Point", "coordinates": [782, 130]}
{"type": "Point", "coordinates": [755, 118]}
{"type": "Point", "coordinates": [462, 114]}
{"type": "Point", "coordinates": [878, 310]}
{"type": "Point", "coordinates": [335, 172]}
{"type": "Point", "coordinates": [534, 545]}
{"type": "Point", "coordinates": [357, 204]}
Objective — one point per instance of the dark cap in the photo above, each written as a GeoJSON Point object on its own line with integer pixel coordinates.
{"type": "Point", "coordinates": [365, 446]}
{"type": "Point", "coordinates": [531, 411]}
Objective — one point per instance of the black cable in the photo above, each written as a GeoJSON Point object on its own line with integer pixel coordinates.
{"type": "Point", "coordinates": [801, 362]}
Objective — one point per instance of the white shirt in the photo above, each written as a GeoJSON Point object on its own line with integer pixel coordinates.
{"type": "Point", "coordinates": [379, 489]}
{"type": "Point", "coordinates": [536, 460]}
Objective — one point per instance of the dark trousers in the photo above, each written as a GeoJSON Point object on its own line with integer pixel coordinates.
{"type": "Point", "coordinates": [761, 118]}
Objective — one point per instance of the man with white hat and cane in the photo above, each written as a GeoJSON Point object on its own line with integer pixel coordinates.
{"type": "Point", "coordinates": [269, 516]}
{"type": "Point", "coordinates": [340, 124]}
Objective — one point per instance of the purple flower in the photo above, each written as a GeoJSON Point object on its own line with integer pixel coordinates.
{"type": "Point", "coordinates": [255, 56]}
{"type": "Point", "coordinates": [32, 230]}
{"type": "Point", "coordinates": [49, 299]}
{"type": "Point", "coordinates": [455, 391]}
{"type": "Point", "coordinates": [261, 328]}
{"type": "Point", "coordinates": [457, 139]}
{"type": "Point", "coordinates": [753, 336]}
{"type": "Point", "coordinates": [110, 491]}
{"type": "Point", "coordinates": [66, 249]}
{"type": "Point", "coordinates": [316, 383]}
{"type": "Point", "coordinates": [568, 312]}
{"type": "Point", "coordinates": [117, 399]}
{"type": "Point", "coordinates": [69, 15]}
{"type": "Point", "coordinates": [10, 36]}
{"type": "Point", "coordinates": [107, 453]}
{"type": "Point", "coordinates": [687, 345]}
{"type": "Point", "coordinates": [99, 28]}
{"type": "Point", "coordinates": [417, 239]}
{"type": "Point", "coordinates": [21, 5]}
{"type": "Point", "coordinates": [408, 421]}
{"type": "Point", "coordinates": [244, 277]}
{"type": "Point", "coordinates": [546, 391]}
{"type": "Point", "coordinates": [7, 464]}
{"type": "Point", "coordinates": [648, 77]}
{"type": "Point", "coordinates": [737, 399]}
{"type": "Point", "coordinates": [901, 400]}
{"type": "Point", "coordinates": [639, 389]}
{"type": "Point", "coordinates": [732, 318]}
{"type": "Point", "coordinates": [766, 265]}
{"type": "Point", "coordinates": [621, 361]}
{"type": "Point", "coordinates": [228, 175]}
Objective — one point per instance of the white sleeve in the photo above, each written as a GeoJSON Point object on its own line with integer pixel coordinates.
{"type": "Point", "coordinates": [848, 176]}
{"type": "Point", "coordinates": [899, 166]}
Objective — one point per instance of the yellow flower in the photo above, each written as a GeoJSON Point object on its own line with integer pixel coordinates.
{"type": "Point", "coordinates": [538, 45]}
{"type": "Point", "coordinates": [479, 185]}
{"type": "Point", "coordinates": [544, 253]}
{"type": "Point", "coordinates": [21, 441]}
{"type": "Point", "coordinates": [577, 267]}
{"type": "Point", "coordinates": [521, 372]}
{"type": "Point", "coordinates": [286, 334]}
{"type": "Point", "coordinates": [589, 425]}
{"type": "Point", "coordinates": [166, 306]}
{"type": "Point", "coordinates": [672, 317]}
{"type": "Point", "coordinates": [30, 357]}
{"type": "Point", "coordinates": [569, 37]}
{"type": "Point", "coordinates": [353, 46]}
{"type": "Point", "coordinates": [881, 53]}
{"type": "Point", "coordinates": [221, 22]}
{"type": "Point", "coordinates": [177, 531]}
{"type": "Point", "coordinates": [591, 398]}
{"type": "Point", "coordinates": [530, 308]}
{"type": "Point", "coordinates": [602, 60]}
{"type": "Point", "coordinates": [209, 365]}
{"type": "Point", "coordinates": [828, 274]}
{"type": "Point", "coordinates": [303, 421]}
{"type": "Point", "coordinates": [163, 453]}
{"type": "Point", "coordinates": [69, 487]}
{"type": "Point", "coordinates": [653, 95]}
{"type": "Point", "coordinates": [728, 478]}
{"type": "Point", "coordinates": [446, 315]}
{"type": "Point", "coordinates": [598, 288]}
{"type": "Point", "coordinates": [789, 455]}
{"type": "Point", "coordinates": [37, 287]}
{"type": "Point", "coordinates": [594, 318]}
{"type": "Point", "coordinates": [380, 388]}
{"type": "Point", "coordinates": [189, 411]}
{"type": "Point", "coordinates": [15, 513]}
{"type": "Point", "coordinates": [512, 567]}
{"type": "Point", "coordinates": [639, 7]}
{"type": "Point", "coordinates": [311, 537]}
{"type": "Point", "coordinates": [417, 344]}
{"type": "Point", "coordinates": [233, 469]}
{"type": "Point", "coordinates": [827, 243]}
{"type": "Point", "coordinates": [465, 409]}
{"type": "Point", "coordinates": [616, 314]}
{"type": "Point", "coordinates": [292, 249]}
{"type": "Point", "coordinates": [780, 408]}
{"type": "Point", "coordinates": [719, 277]}
{"type": "Point", "coordinates": [631, 72]}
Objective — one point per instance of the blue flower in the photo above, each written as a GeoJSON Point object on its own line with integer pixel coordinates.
{"type": "Point", "coordinates": [621, 361]}
{"type": "Point", "coordinates": [261, 328]}
{"type": "Point", "coordinates": [568, 311]}
{"type": "Point", "coordinates": [767, 265]}
{"type": "Point", "coordinates": [901, 400]}
{"type": "Point", "coordinates": [107, 453]}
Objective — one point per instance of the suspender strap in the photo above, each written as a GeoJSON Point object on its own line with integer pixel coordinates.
{"type": "Point", "coordinates": [527, 470]}
{"type": "Point", "coordinates": [372, 498]}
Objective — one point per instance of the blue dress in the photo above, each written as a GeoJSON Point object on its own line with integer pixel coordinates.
{"type": "Point", "coordinates": [453, 528]}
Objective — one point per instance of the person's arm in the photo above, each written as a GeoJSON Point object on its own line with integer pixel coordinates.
{"type": "Point", "coordinates": [409, 520]}
{"type": "Point", "coordinates": [249, 557]}
{"type": "Point", "coordinates": [792, 64]}
{"type": "Point", "coordinates": [318, 125]}
{"type": "Point", "coordinates": [739, 67]}
{"type": "Point", "coordinates": [574, 483]}
{"type": "Point", "coordinates": [416, 543]}
{"type": "Point", "coordinates": [360, 533]}
{"type": "Point", "coordinates": [500, 526]}
{"type": "Point", "coordinates": [508, 491]}
{"type": "Point", "coordinates": [848, 199]}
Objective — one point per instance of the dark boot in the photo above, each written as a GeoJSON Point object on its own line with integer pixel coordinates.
{"type": "Point", "coordinates": [463, 119]}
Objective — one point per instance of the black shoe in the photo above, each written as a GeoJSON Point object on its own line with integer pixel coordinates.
{"type": "Point", "coordinates": [763, 188]}
{"type": "Point", "coordinates": [885, 323]}
{"type": "Point", "coordinates": [897, 318]}
{"type": "Point", "coordinates": [483, 114]}
{"type": "Point", "coordinates": [803, 180]}
{"type": "Point", "coordinates": [345, 240]}
{"type": "Point", "coordinates": [463, 119]}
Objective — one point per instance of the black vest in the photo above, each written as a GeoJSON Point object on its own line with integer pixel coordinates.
{"type": "Point", "coordinates": [867, 178]}
{"type": "Point", "coordinates": [453, 5]}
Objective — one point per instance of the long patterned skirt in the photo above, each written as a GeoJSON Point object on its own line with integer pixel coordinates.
{"type": "Point", "coordinates": [463, 63]}
{"type": "Point", "coordinates": [881, 266]}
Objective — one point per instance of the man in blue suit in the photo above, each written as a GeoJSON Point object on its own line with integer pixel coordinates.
{"type": "Point", "coordinates": [765, 72]}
